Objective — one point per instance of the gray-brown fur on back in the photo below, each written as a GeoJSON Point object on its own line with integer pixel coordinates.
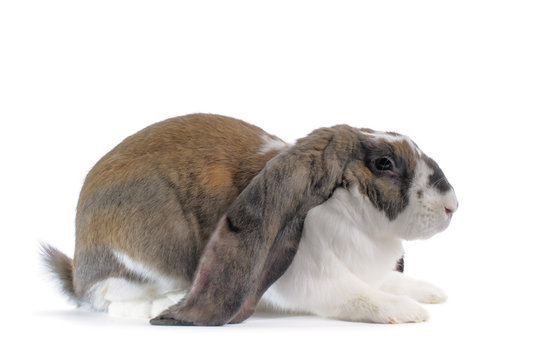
{"type": "Point", "coordinates": [158, 196]}
{"type": "Point", "coordinates": [238, 264]}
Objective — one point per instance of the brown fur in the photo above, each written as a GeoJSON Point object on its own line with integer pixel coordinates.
{"type": "Point", "coordinates": [159, 194]}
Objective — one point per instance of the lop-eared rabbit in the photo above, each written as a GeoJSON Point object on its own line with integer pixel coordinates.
{"type": "Point", "coordinates": [196, 219]}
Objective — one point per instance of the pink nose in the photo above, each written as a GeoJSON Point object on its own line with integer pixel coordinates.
{"type": "Point", "coordinates": [450, 203]}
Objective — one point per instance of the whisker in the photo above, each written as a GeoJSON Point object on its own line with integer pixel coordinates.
{"type": "Point", "coordinates": [437, 183]}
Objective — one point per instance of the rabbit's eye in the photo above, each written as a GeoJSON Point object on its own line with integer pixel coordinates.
{"type": "Point", "coordinates": [384, 164]}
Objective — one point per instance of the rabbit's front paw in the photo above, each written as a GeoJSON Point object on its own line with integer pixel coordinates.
{"type": "Point", "coordinates": [427, 293]}
{"type": "Point", "coordinates": [383, 309]}
{"type": "Point", "coordinates": [400, 309]}
{"type": "Point", "coordinates": [421, 291]}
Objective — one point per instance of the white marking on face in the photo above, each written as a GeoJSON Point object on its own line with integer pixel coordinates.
{"type": "Point", "coordinates": [426, 213]}
{"type": "Point", "coordinates": [386, 136]}
{"type": "Point", "coordinates": [415, 147]}
{"type": "Point", "coordinates": [380, 135]}
{"type": "Point", "coordinates": [272, 144]}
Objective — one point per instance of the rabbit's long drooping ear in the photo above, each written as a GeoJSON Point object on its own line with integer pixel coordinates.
{"type": "Point", "coordinates": [257, 238]}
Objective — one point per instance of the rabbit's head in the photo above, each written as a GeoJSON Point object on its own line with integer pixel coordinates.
{"type": "Point", "coordinates": [402, 191]}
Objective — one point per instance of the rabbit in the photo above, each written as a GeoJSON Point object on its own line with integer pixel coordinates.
{"type": "Point", "coordinates": [194, 220]}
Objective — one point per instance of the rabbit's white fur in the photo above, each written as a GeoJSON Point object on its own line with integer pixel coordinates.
{"type": "Point", "coordinates": [271, 144]}
{"type": "Point", "coordinates": [343, 271]}
{"type": "Point", "coordinates": [124, 298]}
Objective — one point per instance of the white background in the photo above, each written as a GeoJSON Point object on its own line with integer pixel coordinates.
{"type": "Point", "coordinates": [462, 78]}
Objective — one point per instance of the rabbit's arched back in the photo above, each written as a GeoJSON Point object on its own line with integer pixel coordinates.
{"type": "Point", "coordinates": [149, 206]}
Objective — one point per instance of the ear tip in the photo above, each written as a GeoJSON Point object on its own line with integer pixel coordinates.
{"type": "Point", "coordinates": [170, 321]}
{"type": "Point", "coordinates": [162, 321]}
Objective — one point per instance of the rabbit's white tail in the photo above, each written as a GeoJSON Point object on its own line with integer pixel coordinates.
{"type": "Point", "coordinates": [61, 266]}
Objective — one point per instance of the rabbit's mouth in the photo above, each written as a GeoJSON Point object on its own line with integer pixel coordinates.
{"type": "Point", "coordinates": [444, 225]}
